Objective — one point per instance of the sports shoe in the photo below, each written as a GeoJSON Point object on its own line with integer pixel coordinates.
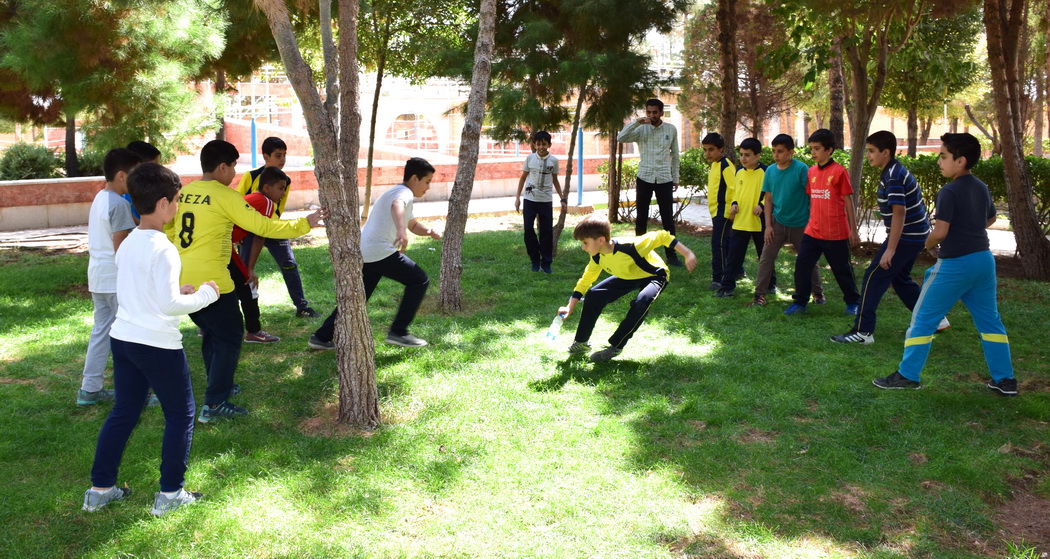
{"type": "Point", "coordinates": [317, 343]}
{"type": "Point", "coordinates": [163, 505]}
{"type": "Point", "coordinates": [944, 325]}
{"type": "Point", "coordinates": [224, 410]}
{"type": "Point", "coordinates": [307, 312]}
{"type": "Point", "coordinates": [852, 310]}
{"type": "Point", "coordinates": [235, 389]}
{"type": "Point", "coordinates": [895, 381]}
{"type": "Point", "coordinates": [820, 300]}
{"type": "Point", "coordinates": [795, 308]}
{"type": "Point", "coordinates": [759, 301]}
{"type": "Point", "coordinates": [260, 337]}
{"type": "Point", "coordinates": [408, 340]}
{"type": "Point", "coordinates": [605, 354]}
{"type": "Point", "coordinates": [1006, 386]}
{"type": "Point", "coordinates": [579, 347]}
{"type": "Point", "coordinates": [772, 291]}
{"type": "Point", "coordinates": [546, 268]}
{"type": "Point", "coordinates": [854, 337]}
{"type": "Point", "coordinates": [723, 293]}
{"type": "Point", "coordinates": [535, 266]}
{"type": "Point", "coordinates": [715, 286]}
{"type": "Point", "coordinates": [93, 500]}
{"type": "Point", "coordinates": [85, 398]}
{"type": "Point", "coordinates": [741, 276]}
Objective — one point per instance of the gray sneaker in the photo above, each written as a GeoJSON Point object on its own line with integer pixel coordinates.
{"type": "Point", "coordinates": [85, 398]}
{"type": "Point", "coordinates": [224, 410]}
{"type": "Point", "coordinates": [408, 340]}
{"type": "Point", "coordinates": [163, 505]}
{"type": "Point", "coordinates": [579, 347]}
{"type": "Point", "coordinates": [318, 343]}
{"type": "Point", "coordinates": [605, 354]}
{"type": "Point", "coordinates": [93, 500]}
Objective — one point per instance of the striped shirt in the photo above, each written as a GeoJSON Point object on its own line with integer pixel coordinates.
{"type": "Point", "coordinates": [657, 148]}
{"type": "Point", "coordinates": [897, 186]}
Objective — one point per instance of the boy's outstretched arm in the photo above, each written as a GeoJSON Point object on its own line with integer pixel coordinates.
{"type": "Point", "coordinates": [690, 258]}
{"type": "Point", "coordinates": [422, 230]}
{"type": "Point", "coordinates": [567, 309]}
{"type": "Point", "coordinates": [521, 185]}
{"type": "Point", "coordinates": [768, 209]}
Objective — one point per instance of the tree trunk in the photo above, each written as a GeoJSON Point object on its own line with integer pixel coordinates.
{"type": "Point", "coordinates": [380, 67]}
{"type": "Point", "coordinates": [72, 163]}
{"type": "Point", "coordinates": [805, 126]}
{"type": "Point", "coordinates": [337, 186]}
{"type": "Point", "coordinates": [619, 177]}
{"type": "Point", "coordinates": [924, 132]}
{"type": "Point", "coordinates": [614, 181]}
{"type": "Point", "coordinates": [913, 129]}
{"type": "Point", "coordinates": [1002, 31]}
{"type": "Point", "coordinates": [451, 297]}
{"type": "Point", "coordinates": [1037, 148]}
{"type": "Point", "coordinates": [725, 17]}
{"type": "Point", "coordinates": [837, 96]}
{"type": "Point", "coordinates": [220, 89]}
{"type": "Point", "coordinates": [560, 226]}
{"type": "Point", "coordinates": [331, 60]}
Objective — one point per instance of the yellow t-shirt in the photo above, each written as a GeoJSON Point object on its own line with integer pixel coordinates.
{"type": "Point", "coordinates": [720, 182]}
{"type": "Point", "coordinates": [748, 194]}
{"type": "Point", "coordinates": [207, 212]}
{"type": "Point", "coordinates": [631, 258]}
{"type": "Point", "coordinates": [250, 183]}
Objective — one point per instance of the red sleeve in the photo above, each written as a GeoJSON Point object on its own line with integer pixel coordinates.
{"type": "Point", "coordinates": [261, 203]}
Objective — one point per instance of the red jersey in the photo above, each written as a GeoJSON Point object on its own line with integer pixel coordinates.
{"type": "Point", "coordinates": [827, 188]}
{"type": "Point", "coordinates": [263, 205]}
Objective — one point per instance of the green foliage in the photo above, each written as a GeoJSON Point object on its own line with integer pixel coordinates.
{"type": "Point", "coordinates": [29, 161]}
{"type": "Point", "coordinates": [91, 163]}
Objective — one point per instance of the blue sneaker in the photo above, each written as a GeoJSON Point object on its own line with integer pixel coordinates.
{"type": "Point", "coordinates": [852, 310]}
{"type": "Point", "coordinates": [795, 308]}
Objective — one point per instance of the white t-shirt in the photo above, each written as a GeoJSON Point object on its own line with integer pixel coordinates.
{"type": "Point", "coordinates": [380, 231]}
{"type": "Point", "coordinates": [539, 187]}
{"type": "Point", "coordinates": [148, 300]}
{"type": "Point", "coordinates": [109, 214]}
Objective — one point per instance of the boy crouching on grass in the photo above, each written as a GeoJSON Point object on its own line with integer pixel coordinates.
{"type": "Point", "coordinates": [633, 264]}
{"type": "Point", "coordinates": [147, 346]}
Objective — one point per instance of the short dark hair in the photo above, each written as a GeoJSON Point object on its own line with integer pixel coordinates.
{"type": "Point", "coordinates": [823, 137]}
{"type": "Point", "coordinates": [883, 140]}
{"type": "Point", "coordinates": [783, 140]}
{"type": "Point", "coordinates": [752, 145]}
{"type": "Point", "coordinates": [144, 150]}
{"type": "Point", "coordinates": [713, 139]}
{"type": "Point", "coordinates": [542, 136]}
{"type": "Point", "coordinates": [217, 152]}
{"type": "Point", "coordinates": [117, 160]}
{"type": "Point", "coordinates": [272, 144]}
{"type": "Point", "coordinates": [148, 183]}
{"type": "Point", "coordinates": [271, 175]}
{"type": "Point", "coordinates": [417, 167]}
{"type": "Point", "coordinates": [593, 226]}
{"type": "Point", "coordinates": [963, 145]}
{"type": "Point", "coordinates": [654, 102]}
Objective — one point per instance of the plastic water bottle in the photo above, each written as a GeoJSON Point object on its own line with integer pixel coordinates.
{"type": "Point", "coordinates": [255, 290]}
{"type": "Point", "coordinates": [555, 327]}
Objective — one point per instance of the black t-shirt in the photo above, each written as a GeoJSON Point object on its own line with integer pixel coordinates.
{"type": "Point", "coordinates": [967, 205]}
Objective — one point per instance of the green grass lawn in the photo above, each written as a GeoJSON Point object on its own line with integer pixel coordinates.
{"type": "Point", "coordinates": [721, 431]}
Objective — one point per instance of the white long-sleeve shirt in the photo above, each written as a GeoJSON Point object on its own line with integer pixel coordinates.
{"type": "Point", "coordinates": [149, 303]}
{"type": "Point", "coordinates": [657, 149]}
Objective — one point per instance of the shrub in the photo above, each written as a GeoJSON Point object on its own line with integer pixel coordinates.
{"type": "Point", "coordinates": [29, 161]}
{"type": "Point", "coordinates": [91, 163]}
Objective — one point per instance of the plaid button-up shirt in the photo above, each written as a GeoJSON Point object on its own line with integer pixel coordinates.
{"type": "Point", "coordinates": [658, 148]}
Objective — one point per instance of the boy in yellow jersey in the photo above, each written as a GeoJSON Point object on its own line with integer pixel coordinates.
{"type": "Point", "coordinates": [201, 230]}
{"type": "Point", "coordinates": [633, 264]}
{"type": "Point", "coordinates": [720, 181]}
{"type": "Point", "coordinates": [747, 214]}
{"type": "Point", "coordinates": [274, 152]}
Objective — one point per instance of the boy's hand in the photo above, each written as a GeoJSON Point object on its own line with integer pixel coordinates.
{"type": "Point", "coordinates": [768, 235]}
{"type": "Point", "coordinates": [212, 285]}
{"type": "Point", "coordinates": [854, 239]}
{"type": "Point", "coordinates": [252, 279]}
{"type": "Point", "coordinates": [435, 235]}
{"type": "Point", "coordinates": [315, 218]}
{"type": "Point", "coordinates": [517, 204]}
{"type": "Point", "coordinates": [690, 262]}
{"type": "Point", "coordinates": [187, 289]}
{"type": "Point", "coordinates": [732, 211]}
{"type": "Point", "coordinates": [758, 210]}
{"type": "Point", "coordinates": [401, 241]}
{"type": "Point", "coordinates": [565, 311]}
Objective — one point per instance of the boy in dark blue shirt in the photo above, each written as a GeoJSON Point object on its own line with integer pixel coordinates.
{"type": "Point", "coordinates": [965, 271]}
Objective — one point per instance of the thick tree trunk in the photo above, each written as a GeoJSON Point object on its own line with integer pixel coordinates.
{"type": "Point", "coordinates": [220, 89]}
{"type": "Point", "coordinates": [614, 181]}
{"type": "Point", "coordinates": [1002, 28]}
{"type": "Point", "coordinates": [913, 129]}
{"type": "Point", "coordinates": [725, 17]}
{"type": "Point", "coordinates": [805, 126]}
{"type": "Point", "coordinates": [560, 226]}
{"type": "Point", "coordinates": [380, 67]}
{"type": "Point", "coordinates": [72, 163]}
{"type": "Point", "coordinates": [837, 96]}
{"type": "Point", "coordinates": [1037, 148]}
{"type": "Point", "coordinates": [924, 132]}
{"type": "Point", "coordinates": [451, 297]}
{"type": "Point", "coordinates": [331, 60]}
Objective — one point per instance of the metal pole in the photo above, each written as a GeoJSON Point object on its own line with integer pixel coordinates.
{"type": "Point", "coordinates": [255, 152]}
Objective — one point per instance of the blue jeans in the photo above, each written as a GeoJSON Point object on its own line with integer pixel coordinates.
{"type": "Point", "coordinates": [223, 329]}
{"type": "Point", "coordinates": [281, 250]}
{"type": "Point", "coordinates": [877, 280]}
{"type": "Point", "coordinates": [723, 229]}
{"type": "Point", "coordinates": [136, 368]}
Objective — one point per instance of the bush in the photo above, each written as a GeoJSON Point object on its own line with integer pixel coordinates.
{"type": "Point", "coordinates": [91, 163]}
{"type": "Point", "coordinates": [29, 161]}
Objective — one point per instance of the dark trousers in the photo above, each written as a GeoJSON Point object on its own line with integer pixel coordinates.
{"type": "Point", "coordinates": [877, 280]}
{"type": "Point", "coordinates": [137, 368]}
{"type": "Point", "coordinates": [665, 202]}
{"type": "Point", "coordinates": [837, 255]}
{"type": "Point", "coordinates": [723, 229]}
{"type": "Point", "coordinates": [611, 289]}
{"type": "Point", "coordinates": [540, 249]}
{"type": "Point", "coordinates": [221, 346]}
{"type": "Point", "coordinates": [249, 304]}
{"type": "Point", "coordinates": [281, 250]}
{"type": "Point", "coordinates": [738, 242]}
{"type": "Point", "coordinates": [401, 269]}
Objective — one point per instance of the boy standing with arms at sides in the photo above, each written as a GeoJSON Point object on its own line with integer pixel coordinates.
{"type": "Point", "coordinates": [965, 271]}
{"type": "Point", "coordinates": [384, 238]}
{"type": "Point", "coordinates": [831, 230]}
{"type": "Point", "coordinates": [786, 212]}
{"type": "Point", "coordinates": [632, 264]}
{"type": "Point", "coordinates": [747, 215]}
{"type": "Point", "coordinates": [907, 225]}
{"type": "Point", "coordinates": [720, 181]}
{"type": "Point", "coordinates": [202, 229]}
{"type": "Point", "coordinates": [109, 222]}
{"type": "Point", "coordinates": [147, 347]}
{"type": "Point", "coordinates": [658, 168]}
{"type": "Point", "coordinates": [274, 152]}
{"type": "Point", "coordinates": [541, 172]}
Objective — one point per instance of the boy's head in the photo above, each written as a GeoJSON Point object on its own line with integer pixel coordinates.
{"type": "Point", "coordinates": [593, 233]}
{"type": "Point", "coordinates": [783, 149]}
{"type": "Point", "coordinates": [750, 150]}
{"type": "Point", "coordinates": [274, 152]}
{"type": "Point", "coordinates": [116, 165]}
{"type": "Point", "coordinates": [959, 153]}
{"type": "Point", "coordinates": [273, 183]}
{"type": "Point", "coordinates": [880, 148]}
{"type": "Point", "coordinates": [541, 142]}
{"type": "Point", "coordinates": [714, 146]}
{"type": "Point", "coordinates": [654, 111]}
{"type": "Point", "coordinates": [418, 174]}
{"type": "Point", "coordinates": [821, 145]}
{"type": "Point", "coordinates": [150, 183]}
{"type": "Point", "coordinates": [145, 150]}
{"type": "Point", "coordinates": [219, 159]}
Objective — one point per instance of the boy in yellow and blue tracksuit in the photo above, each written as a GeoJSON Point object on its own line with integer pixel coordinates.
{"type": "Point", "coordinates": [721, 179]}
{"type": "Point", "coordinates": [748, 216]}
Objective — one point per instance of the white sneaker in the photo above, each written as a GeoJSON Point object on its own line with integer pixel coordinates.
{"type": "Point", "coordinates": [163, 505]}
{"type": "Point", "coordinates": [944, 325]}
{"type": "Point", "coordinates": [93, 500]}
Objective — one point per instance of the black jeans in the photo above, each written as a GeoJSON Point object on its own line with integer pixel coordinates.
{"type": "Point", "coordinates": [837, 255]}
{"type": "Point", "coordinates": [720, 234]}
{"type": "Point", "coordinates": [249, 304]}
{"type": "Point", "coordinates": [539, 249]}
{"type": "Point", "coordinates": [223, 329]}
{"type": "Point", "coordinates": [401, 269]}
{"type": "Point", "coordinates": [738, 242]}
{"type": "Point", "coordinates": [877, 281]}
{"type": "Point", "coordinates": [664, 200]}
{"type": "Point", "coordinates": [611, 289]}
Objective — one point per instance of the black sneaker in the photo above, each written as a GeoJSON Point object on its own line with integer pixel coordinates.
{"type": "Point", "coordinates": [1006, 386]}
{"type": "Point", "coordinates": [546, 268]}
{"type": "Point", "coordinates": [715, 286]}
{"type": "Point", "coordinates": [741, 276]}
{"type": "Point", "coordinates": [307, 312]}
{"type": "Point", "coordinates": [318, 343]}
{"type": "Point", "coordinates": [535, 266]}
{"type": "Point", "coordinates": [895, 381]}
{"type": "Point", "coordinates": [723, 293]}
{"type": "Point", "coordinates": [225, 410]}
